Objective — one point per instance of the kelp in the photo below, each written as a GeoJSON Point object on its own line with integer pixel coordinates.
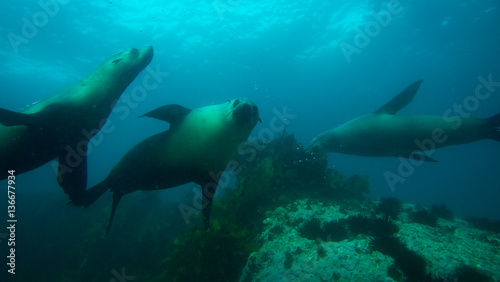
{"type": "Point", "coordinates": [279, 172]}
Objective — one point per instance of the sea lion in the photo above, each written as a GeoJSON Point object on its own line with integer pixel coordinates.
{"type": "Point", "coordinates": [196, 148]}
{"type": "Point", "coordinates": [384, 134]}
{"type": "Point", "coordinates": [64, 123]}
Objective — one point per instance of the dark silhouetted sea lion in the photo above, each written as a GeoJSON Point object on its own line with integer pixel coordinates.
{"type": "Point", "coordinates": [385, 134]}
{"type": "Point", "coordinates": [62, 124]}
{"type": "Point", "coordinates": [196, 148]}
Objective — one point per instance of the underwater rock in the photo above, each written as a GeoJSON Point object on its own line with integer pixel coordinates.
{"type": "Point", "coordinates": [348, 260]}
{"type": "Point", "coordinates": [440, 250]}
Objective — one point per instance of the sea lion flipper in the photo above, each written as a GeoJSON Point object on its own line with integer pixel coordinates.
{"type": "Point", "coordinates": [494, 121]}
{"type": "Point", "coordinates": [72, 175]}
{"type": "Point", "coordinates": [208, 189]}
{"type": "Point", "coordinates": [94, 193]}
{"type": "Point", "coordinates": [493, 126]}
{"type": "Point", "coordinates": [116, 199]}
{"type": "Point", "coordinates": [10, 118]}
{"type": "Point", "coordinates": [173, 114]}
{"type": "Point", "coordinates": [401, 100]}
{"type": "Point", "coordinates": [38, 119]}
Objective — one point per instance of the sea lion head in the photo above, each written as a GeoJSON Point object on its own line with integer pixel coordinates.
{"type": "Point", "coordinates": [128, 63]}
{"type": "Point", "coordinates": [243, 113]}
{"type": "Point", "coordinates": [324, 143]}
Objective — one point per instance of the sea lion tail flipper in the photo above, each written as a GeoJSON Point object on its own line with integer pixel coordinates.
{"type": "Point", "coordinates": [116, 199]}
{"type": "Point", "coordinates": [496, 136]}
{"type": "Point", "coordinates": [10, 118]}
{"type": "Point", "coordinates": [173, 114]}
{"type": "Point", "coordinates": [401, 100]}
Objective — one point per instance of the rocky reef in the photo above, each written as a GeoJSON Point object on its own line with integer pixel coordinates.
{"type": "Point", "coordinates": [427, 253]}
{"type": "Point", "coordinates": [291, 218]}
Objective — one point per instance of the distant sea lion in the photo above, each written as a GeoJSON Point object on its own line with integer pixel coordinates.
{"type": "Point", "coordinates": [66, 121]}
{"type": "Point", "coordinates": [384, 134]}
{"type": "Point", "coordinates": [196, 148]}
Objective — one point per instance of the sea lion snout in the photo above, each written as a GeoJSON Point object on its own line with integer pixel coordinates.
{"type": "Point", "coordinates": [145, 52]}
{"type": "Point", "coordinates": [314, 148]}
{"type": "Point", "coordinates": [129, 63]}
{"type": "Point", "coordinates": [245, 111]}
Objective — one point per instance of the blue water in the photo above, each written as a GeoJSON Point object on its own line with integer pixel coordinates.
{"type": "Point", "coordinates": [280, 55]}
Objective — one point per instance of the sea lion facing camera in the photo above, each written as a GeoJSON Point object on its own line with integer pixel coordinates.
{"type": "Point", "coordinates": [385, 134]}
{"type": "Point", "coordinates": [196, 148]}
{"type": "Point", "coordinates": [64, 122]}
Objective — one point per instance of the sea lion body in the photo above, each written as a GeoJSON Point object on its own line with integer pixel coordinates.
{"type": "Point", "coordinates": [63, 123]}
{"type": "Point", "coordinates": [385, 134]}
{"type": "Point", "coordinates": [196, 148]}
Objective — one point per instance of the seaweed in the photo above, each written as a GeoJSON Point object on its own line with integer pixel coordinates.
{"type": "Point", "coordinates": [145, 225]}
{"type": "Point", "coordinates": [383, 227]}
{"type": "Point", "coordinates": [442, 211]}
{"type": "Point", "coordinates": [312, 230]}
{"type": "Point", "coordinates": [390, 207]}
{"type": "Point", "coordinates": [210, 255]}
{"type": "Point", "coordinates": [377, 227]}
{"type": "Point", "coordinates": [390, 246]}
{"type": "Point", "coordinates": [485, 224]}
{"type": "Point", "coordinates": [395, 272]}
{"type": "Point", "coordinates": [424, 217]}
{"type": "Point", "coordinates": [352, 188]}
{"type": "Point", "coordinates": [470, 273]}
{"type": "Point", "coordinates": [334, 231]}
{"type": "Point", "coordinates": [359, 224]}
{"type": "Point", "coordinates": [285, 172]}
{"type": "Point", "coordinates": [411, 263]}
